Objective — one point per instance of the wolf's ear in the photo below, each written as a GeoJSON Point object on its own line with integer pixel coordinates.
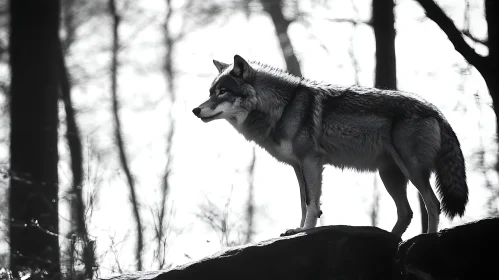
{"type": "Point", "coordinates": [220, 65]}
{"type": "Point", "coordinates": [242, 68]}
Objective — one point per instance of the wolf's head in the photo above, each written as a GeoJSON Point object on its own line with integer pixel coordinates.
{"type": "Point", "coordinates": [232, 95]}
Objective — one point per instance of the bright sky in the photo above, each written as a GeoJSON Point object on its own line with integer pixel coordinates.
{"type": "Point", "coordinates": [207, 155]}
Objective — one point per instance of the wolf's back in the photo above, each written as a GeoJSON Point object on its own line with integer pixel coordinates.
{"type": "Point", "coordinates": [383, 103]}
{"type": "Point", "coordinates": [449, 165]}
{"type": "Point", "coordinates": [451, 173]}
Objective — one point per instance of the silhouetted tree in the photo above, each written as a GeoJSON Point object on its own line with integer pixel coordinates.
{"type": "Point", "coordinates": [33, 197]}
{"type": "Point", "coordinates": [116, 19]}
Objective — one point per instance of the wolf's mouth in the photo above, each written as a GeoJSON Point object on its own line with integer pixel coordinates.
{"type": "Point", "coordinates": [210, 118]}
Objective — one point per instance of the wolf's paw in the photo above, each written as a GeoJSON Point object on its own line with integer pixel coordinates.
{"type": "Point", "coordinates": [292, 231]}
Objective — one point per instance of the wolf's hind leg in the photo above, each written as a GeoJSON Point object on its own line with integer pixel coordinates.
{"type": "Point", "coordinates": [421, 180]}
{"type": "Point", "coordinates": [396, 184]}
{"type": "Point", "coordinates": [418, 142]}
{"type": "Point", "coordinates": [303, 193]}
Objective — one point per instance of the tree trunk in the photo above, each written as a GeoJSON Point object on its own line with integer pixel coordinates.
{"type": "Point", "coordinates": [33, 200]}
{"type": "Point", "coordinates": [383, 23]}
{"type": "Point", "coordinates": [281, 24]}
{"type": "Point", "coordinates": [118, 133]}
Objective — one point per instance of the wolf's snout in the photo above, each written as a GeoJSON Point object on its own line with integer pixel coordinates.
{"type": "Point", "coordinates": [196, 111]}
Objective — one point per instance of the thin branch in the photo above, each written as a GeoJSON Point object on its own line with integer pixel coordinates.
{"type": "Point", "coordinates": [437, 15]}
{"type": "Point", "coordinates": [466, 24]}
{"type": "Point", "coordinates": [250, 204]}
{"type": "Point", "coordinates": [304, 16]}
{"type": "Point", "coordinates": [219, 220]}
{"type": "Point", "coordinates": [473, 38]}
{"type": "Point", "coordinates": [347, 20]}
{"type": "Point", "coordinates": [112, 248]}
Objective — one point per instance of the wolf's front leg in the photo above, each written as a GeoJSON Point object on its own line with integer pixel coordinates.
{"type": "Point", "coordinates": [303, 192]}
{"type": "Point", "coordinates": [311, 174]}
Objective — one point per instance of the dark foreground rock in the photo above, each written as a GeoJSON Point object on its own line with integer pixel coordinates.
{"type": "Point", "coordinates": [331, 252]}
{"type": "Point", "coordinates": [469, 251]}
{"type": "Point", "coordinates": [466, 252]}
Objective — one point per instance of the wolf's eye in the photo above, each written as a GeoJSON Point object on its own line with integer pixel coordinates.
{"type": "Point", "coordinates": [222, 91]}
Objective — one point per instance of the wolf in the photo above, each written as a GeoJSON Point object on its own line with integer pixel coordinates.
{"type": "Point", "coordinates": [308, 124]}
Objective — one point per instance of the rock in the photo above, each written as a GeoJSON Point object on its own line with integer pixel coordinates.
{"type": "Point", "coordinates": [330, 252]}
{"type": "Point", "coordinates": [469, 251]}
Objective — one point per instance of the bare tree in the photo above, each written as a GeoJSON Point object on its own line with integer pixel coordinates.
{"type": "Point", "coordinates": [274, 8]}
{"type": "Point", "coordinates": [33, 197]}
{"type": "Point", "coordinates": [116, 19]}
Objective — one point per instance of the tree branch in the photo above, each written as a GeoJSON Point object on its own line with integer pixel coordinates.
{"type": "Point", "coordinates": [473, 38]}
{"type": "Point", "coordinates": [437, 15]}
{"type": "Point", "coordinates": [305, 16]}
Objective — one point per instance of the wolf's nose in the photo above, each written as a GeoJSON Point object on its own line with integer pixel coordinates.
{"type": "Point", "coordinates": [196, 111]}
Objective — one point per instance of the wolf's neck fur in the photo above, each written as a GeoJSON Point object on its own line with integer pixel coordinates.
{"type": "Point", "coordinates": [274, 91]}
{"type": "Point", "coordinates": [259, 124]}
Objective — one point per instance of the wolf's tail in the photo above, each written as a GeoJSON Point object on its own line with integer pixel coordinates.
{"type": "Point", "coordinates": [450, 173]}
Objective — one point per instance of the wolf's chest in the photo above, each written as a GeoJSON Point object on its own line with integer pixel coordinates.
{"type": "Point", "coordinates": [282, 151]}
